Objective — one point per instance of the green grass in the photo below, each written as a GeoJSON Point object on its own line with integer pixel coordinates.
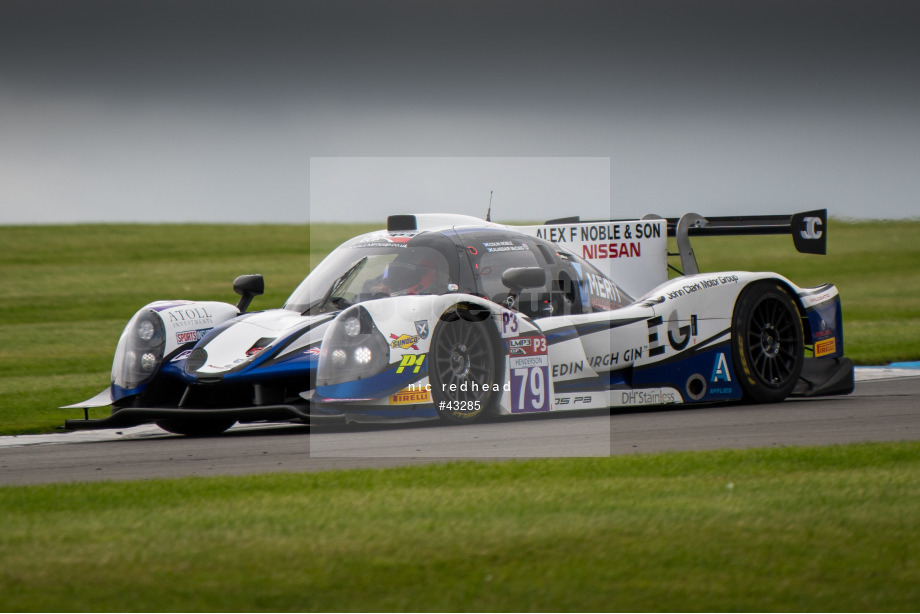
{"type": "Point", "coordinates": [69, 290]}
{"type": "Point", "coordinates": [794, 529]}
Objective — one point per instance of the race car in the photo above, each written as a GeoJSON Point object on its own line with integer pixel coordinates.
{"type": "Point", "coordinates": [455, 318]}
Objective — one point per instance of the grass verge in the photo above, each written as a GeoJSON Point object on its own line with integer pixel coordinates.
{"type": "Point", "coordinates": [801, 529]}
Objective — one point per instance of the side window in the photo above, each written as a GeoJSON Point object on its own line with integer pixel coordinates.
{"type": "Point", "coordinates": [499, 255]}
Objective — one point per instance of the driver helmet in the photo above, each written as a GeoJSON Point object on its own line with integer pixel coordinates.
{"type": "Point", "coordinates": [411, 277]}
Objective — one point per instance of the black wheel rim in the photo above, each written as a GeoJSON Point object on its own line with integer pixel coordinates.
{"type": "Point", "coordinates": [464, 363]}
{"type": "Point", "coordinates": [773, 342]}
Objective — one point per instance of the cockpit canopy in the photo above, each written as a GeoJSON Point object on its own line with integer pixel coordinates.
{"type": "Point", "coordinates": [469, 260]}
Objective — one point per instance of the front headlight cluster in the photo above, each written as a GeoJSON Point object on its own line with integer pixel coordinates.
{"type": "Point", "coordinates": [353, 349]}
{"type": "Point", "coordinates": [140, 350]}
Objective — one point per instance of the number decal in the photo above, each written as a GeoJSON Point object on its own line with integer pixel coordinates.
{"type": "Point", "coordinates": [521, 386]}
{"type": "Point", "coordinates": [536, 388]}
{"type": "Point", "coordinates": [528, 362]}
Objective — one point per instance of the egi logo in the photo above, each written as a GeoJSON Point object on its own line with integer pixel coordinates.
{"type": "Point", "coordinates": [811, 232]}
{"type": "Point", "coordinates": [678, 336]}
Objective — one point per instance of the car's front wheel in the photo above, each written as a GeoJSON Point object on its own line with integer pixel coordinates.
{"type": "Point", "coordinates": [464, 370]}
{"type": "Point", "coordinates": [767, 343]}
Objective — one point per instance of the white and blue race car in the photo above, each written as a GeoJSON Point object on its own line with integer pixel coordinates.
{"type": "Point", "coordinates": [454, 318]}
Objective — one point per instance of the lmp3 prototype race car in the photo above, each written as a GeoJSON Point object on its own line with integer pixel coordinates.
{"type": "Point", "coordinates": [453, 317]}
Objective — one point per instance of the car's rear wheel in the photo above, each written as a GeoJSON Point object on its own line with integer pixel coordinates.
{"type": "Point", "coordinates": [464, 370]}
{"type": "Point", "coordinates": [767, 343]}
{"type": "Point", "coordinates": [196, 428]}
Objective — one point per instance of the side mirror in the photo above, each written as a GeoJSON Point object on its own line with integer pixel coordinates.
{"type": "Point", "coordinates": [518, 278]}
{"type": "Point", "coordinates": [248, 287]}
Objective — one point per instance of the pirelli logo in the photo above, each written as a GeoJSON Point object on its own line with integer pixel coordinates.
{"type": "Point", "coordinates": [823, 348]}
{"type": "Point", "coordinates": [410, 397]}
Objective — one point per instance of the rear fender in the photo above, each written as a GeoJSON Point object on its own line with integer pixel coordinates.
{"type": "Point", "coordinates": [824, 320]}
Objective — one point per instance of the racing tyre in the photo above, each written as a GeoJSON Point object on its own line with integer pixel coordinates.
{"type": "Point", "coordinates": [767, 343]}
{"type": "Point", "coordinates": [465, 385]}
{"type": "Point", "coordinates": [196, 428]}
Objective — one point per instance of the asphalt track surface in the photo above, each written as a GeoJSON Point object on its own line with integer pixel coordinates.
{"type": "Point", "coordinates": [882, 408]}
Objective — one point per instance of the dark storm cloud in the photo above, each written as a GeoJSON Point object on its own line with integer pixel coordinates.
{"type": "Point", "coordinates": [695, 103]}
{"type": "Point", "coordinates": [465, 53]}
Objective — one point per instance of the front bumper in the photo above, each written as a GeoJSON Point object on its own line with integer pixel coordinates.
{"type": "Point", "coordinates": [134, 416]}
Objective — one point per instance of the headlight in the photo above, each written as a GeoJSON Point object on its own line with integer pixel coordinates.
{"type": "Point", "coordinates": [140, 350]}
{"type": "Point", "coordinates": [363, 355]}
{"type": "Point", "coordinates": [353, 349]}
{"type": "Point", "coordinates": [352, 327]}
{"type": "Point", "coordinates": [145, 330]}
{"type": "Point", "coordinates": [148, 362]}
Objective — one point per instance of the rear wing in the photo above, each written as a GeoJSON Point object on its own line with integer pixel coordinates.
{"type": "Point", "coordinates": [634, 252]}
{"type": "Point", "coordinates": [808, 230]}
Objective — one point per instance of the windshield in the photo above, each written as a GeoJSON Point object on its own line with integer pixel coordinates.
{"type": "Point", "coordinates": [370, 270]}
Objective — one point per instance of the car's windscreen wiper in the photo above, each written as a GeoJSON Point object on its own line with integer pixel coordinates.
{"type": "Point", "coordinates": [339, 301]}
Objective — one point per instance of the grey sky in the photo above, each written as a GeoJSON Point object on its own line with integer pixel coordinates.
{"type": "Point", "coordinates": [174, 111]}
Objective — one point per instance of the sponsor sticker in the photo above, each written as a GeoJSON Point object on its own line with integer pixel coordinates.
{"type": "Point", "coordinates": [392, 241]}
{"type": "Point", "coordinates": [572, 401]}
{"type": "Point", "coordinates": [191, 336]}
{"type": "Point", "coordinates": [604, 293]}
{"type": "Point", "coordinates": [411, 363]}
{"type": "Point", "coordinates": [410, 397]}
{"type": "Point", "coordinates": [191, 316]}
{"type": "Point", "coordinates": [828, 346]}
{"type": "Point", "coordinates": [181, 356]}
{"type": "Point", "coordinates": [820, 298]}
{"type": "Point", "coordinates": [519, 347]}
{"type": "Point", "coordinates": [720, 372]}
{"type": "Point", "coordinates": [421, 327]}
{"type": "Point", "coordinates": [404, 341]}
{"type": "Point", "coordinates": [653, 396]}
{"type": "Point", "coordinates": [812, 228]}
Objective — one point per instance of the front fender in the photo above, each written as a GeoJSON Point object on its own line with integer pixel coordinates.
{"type": "Point", "coordinates": [175, 324]}
{"type": "Point", "coordinates": [399, 342]}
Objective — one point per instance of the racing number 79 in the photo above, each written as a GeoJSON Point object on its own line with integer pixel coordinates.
{"type": "Point", "coordinates": [532, 389]}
